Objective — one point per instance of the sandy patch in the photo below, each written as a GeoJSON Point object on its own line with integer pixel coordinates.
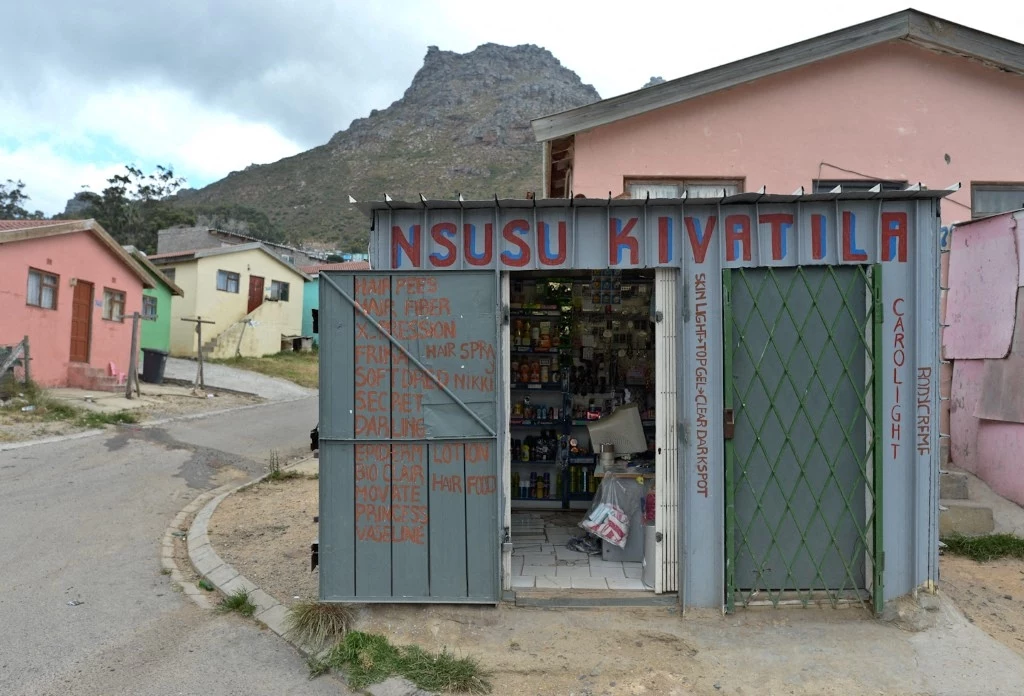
{"type": "Point", "coordinates": [990, 594]}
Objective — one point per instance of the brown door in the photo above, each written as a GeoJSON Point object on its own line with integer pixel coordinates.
{"type": "Point", "coordinates": [81, 321]}
{"type": "Point", "coordinates": [255, 292]}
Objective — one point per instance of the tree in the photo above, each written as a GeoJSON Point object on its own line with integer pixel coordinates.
{"type": "Point", "coordinates": [134, 206]}
{"type": "Point", "coordinates": [12, 195]}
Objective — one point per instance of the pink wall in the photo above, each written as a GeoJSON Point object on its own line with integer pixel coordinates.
{"type": "Point", "coordinates": [987, 437]}
{"type": "Point", "coordinates": [893, 111]}
{"type": "Point", "coordinates": [76, 255]}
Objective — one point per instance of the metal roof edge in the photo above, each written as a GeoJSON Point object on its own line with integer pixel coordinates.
{"type": "Point", "coordinates": [910, 24]}
{"type": "Point", "coordinates": [251, 246]}
{"type": "Point", "coordinates": [153, 270]}
{"type": "Point", "coordinates": [965, 223]}
{"type": "Point", "coordinates": [371, 207]}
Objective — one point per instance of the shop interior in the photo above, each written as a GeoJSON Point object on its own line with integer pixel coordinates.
{"type": "Point", "coordinates": [582, 429]}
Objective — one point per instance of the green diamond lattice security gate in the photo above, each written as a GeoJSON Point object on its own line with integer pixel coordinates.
{"type": "Point", "coordinates": [803, 481]}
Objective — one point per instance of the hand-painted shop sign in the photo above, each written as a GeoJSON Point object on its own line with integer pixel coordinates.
{"type": "Point", "coordinates": [790, 234]}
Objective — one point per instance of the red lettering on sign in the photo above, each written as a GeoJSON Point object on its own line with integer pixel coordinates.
{"type": "Point", "coordinates": [443, 233]}
{"type": "Point", "coordinates": [700, 240]}
{"type": "Point", "coordinates": [448, 484]}
{"type": "Point", "coordinates": [779, 223]}
{"type": "Point", "coordinates": [737, 235]}
{"type": "Point", "coordinates": [408, 246]}
{"type": "Point", "coordinates": [547, 258]}
{"type": "Point", "coordinates": [474, 258]}
{"type": "Point", "coordinates": [415, 285]}
{"type": "Point", "coordinates": [515, 232]}
{"type": "Point", "coordinates": [620, 238]}
{"type": "Point", "coordinates": [894, 236]}
{"type": "Point", "coordinates": [481, 485]}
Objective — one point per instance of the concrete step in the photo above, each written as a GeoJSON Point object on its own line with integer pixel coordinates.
{"type": "Point", "coordinates": [965, 517]}
{"type": "Point", "coordinates": [953, 485]}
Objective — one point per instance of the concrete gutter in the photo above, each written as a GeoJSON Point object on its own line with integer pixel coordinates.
{"type": "Point", "coordinates": [269, 612]}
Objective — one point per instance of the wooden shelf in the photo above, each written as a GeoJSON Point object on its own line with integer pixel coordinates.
{"type": "Point", "coordinates": [537, 504]}
{"type": "Point", "coordinates": [533, 423]}
{"type": "Point", "coordinates": [535, 386]}
{"type": "Point", "coordinates": [542, 462]}
{"type": "Point", "coordinates": [536, 351]}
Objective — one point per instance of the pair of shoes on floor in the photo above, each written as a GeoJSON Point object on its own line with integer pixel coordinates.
{"type": "Point", "coordinates": [587, 544]}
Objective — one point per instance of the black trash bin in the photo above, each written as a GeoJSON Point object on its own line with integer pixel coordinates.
{"type": "Point", "coordinates": [153, 363]}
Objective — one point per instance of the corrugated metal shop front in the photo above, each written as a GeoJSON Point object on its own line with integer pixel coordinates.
{"type": "Point", "coordinates": [796, 365]}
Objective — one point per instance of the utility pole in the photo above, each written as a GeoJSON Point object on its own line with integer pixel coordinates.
{"type": "Point", "coordinates": [133, 360]}
{"type": "Point", "coordinates": [199, 321]}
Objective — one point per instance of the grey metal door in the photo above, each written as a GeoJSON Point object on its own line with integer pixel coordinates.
{"type": "Point", "coordinates": [409, 485]}
{"type": "Point", "coordinates": [801, 466]}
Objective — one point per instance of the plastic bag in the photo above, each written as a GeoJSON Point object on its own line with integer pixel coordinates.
{"type": "Point", "coordinates": [607, 518]}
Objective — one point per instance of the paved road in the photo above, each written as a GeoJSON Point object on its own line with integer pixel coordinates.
{"type": "Point", "coordinates": [214, 375]}
{"type": "Point", "coordinates": [83, 519]}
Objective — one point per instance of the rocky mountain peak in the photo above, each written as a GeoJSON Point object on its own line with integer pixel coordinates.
{"type": "Point", "coordinates": [462, 126]}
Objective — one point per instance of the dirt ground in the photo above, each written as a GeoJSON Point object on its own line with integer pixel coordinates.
{"type": "Point", "coordinates": [991, 595]}
{"type": "Point", "coordinates": [265, 532]}
{"type": "Point", "coordinates": [18, 426]}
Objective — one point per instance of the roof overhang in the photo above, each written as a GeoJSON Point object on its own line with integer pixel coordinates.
{"type": "Point", "coordinates": [170, 258]}
{"type": "Point", "coordinates": [915, 192]}
{"type": "Point", "coordinates": [8, 236]}
{"type": "Point", "coordinates": [909, 25]}
{"type": "Point", "coordinates": [154, 271]}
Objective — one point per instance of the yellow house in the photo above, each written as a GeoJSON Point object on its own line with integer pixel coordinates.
{"type": "Point", "coordinates": [253, 298]}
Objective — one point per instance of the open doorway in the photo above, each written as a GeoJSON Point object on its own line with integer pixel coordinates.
{"type": "Point", "coordinates": [581, 348]}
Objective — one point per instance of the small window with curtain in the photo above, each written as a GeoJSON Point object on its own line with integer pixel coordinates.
{"type": "Point", "coordinates": [113, 305]}
{"type": "Point", "coordinates": [278, 290]}
{"type": "Point", "coordinates": [168, 273]}
{"type": "Point", "coordinates": [227, 281]}
{"type": "Point", "coordinates": [675, 188]}
{"type": "Point", "coordinates": [42, 289]}
{"type": "Point", "coordinates": [149, 308]}
{"type": "Point", "coordinates": [992, 199]}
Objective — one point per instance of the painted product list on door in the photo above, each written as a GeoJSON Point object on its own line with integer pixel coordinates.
{"type": "Point", "coordinates": [415, 401]}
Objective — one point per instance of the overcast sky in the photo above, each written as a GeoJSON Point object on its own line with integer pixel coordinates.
{"type": "Point", "coordinates": [210, 87]}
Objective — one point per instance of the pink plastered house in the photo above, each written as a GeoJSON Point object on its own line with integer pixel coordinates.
{"type": "Point", "coordinates": [72, 290]}
{"type": "Point", "coordinates": [984, 340]}
{"type": "Point", "coordinates": [902, 100]}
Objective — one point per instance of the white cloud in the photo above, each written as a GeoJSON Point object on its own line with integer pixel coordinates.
{"type": "Point", "coordinates": [168, 126]}
{"type": "Point", "coordinates": [92, 135]}
{"type": "Point", "coordinates": [51, 179]}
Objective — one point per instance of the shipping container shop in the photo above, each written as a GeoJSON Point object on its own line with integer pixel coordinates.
{"type": "Point", "coordinates": [717, 402]}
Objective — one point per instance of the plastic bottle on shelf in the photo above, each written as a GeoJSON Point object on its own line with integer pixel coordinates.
{"type": "Point", "coordinates": [650, 506]}
{"type": "Point", "coordinates": [524, 452]}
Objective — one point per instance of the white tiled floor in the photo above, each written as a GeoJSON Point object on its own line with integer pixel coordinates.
{"type": "Point", "coordinates": [540, 558]}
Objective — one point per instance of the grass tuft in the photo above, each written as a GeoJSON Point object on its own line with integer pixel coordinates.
{"type": "Point", "coordinates": [317, 666]}
{"type": "Point", "coordinates": [368, 658]}
{"type": "Point", "coordinates": [318, 624]}
{"type": "Point", "coordinates": [43, 407]}
{"type": "Point", "coordinates": [985, 548]}
{"type": "Point", "coordinates": [239, 602]}
{"type": "Point", "coordinates": [301, 368]}
{"type": "Point", "coordinates": [276, 473]}
{"type": "Point", "coordinates": [97, 419]}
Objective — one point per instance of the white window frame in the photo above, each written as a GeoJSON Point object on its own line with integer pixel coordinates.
{"type": "Point", "coordinates": [113, 304]}
{"type": "Point", "coordinates": [228, 276]}
{"type": "Point", "coordinates": [149, 300]}
{"type": "Point", "coordinates": [992, 187]}
{"type": "Point", "coordinates": [35, 297]}
{"type": "Point", "coordinates": [674, 187]}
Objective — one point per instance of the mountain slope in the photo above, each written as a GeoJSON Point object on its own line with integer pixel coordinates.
{"type": "Point", "coordinates": [462, 126]}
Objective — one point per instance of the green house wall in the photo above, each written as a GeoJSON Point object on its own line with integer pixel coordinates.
{"type": "Point", "coordinates": [156, 334]}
